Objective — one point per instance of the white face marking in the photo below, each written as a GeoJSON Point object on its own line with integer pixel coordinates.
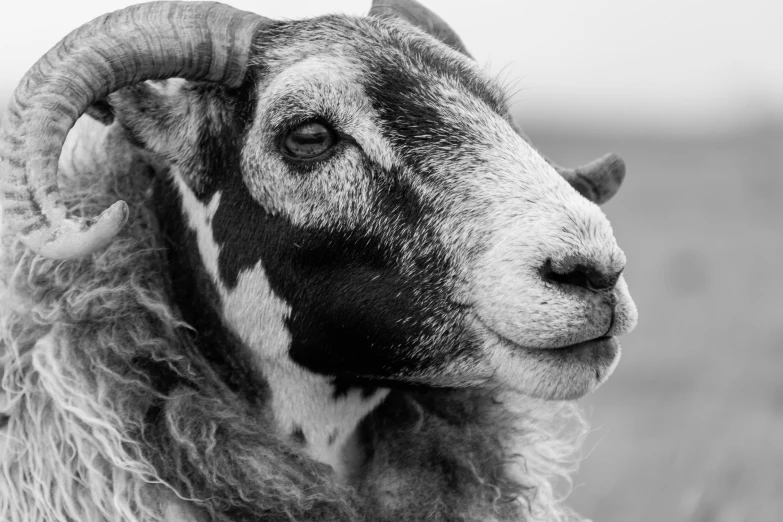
{"type": "Point", "coordinates": [300, 399]}
{"type": "Point", "coordinates": [252, 309]}
{"type": "Point", "coordinates": [326, 423]}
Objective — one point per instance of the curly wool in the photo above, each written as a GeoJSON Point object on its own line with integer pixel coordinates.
{"type": "Point", "coordinates": [108, 413]}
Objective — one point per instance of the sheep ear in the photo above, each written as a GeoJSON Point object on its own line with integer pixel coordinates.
{"type": "Point", "coordinates": [193, 124]}
{"type": "Point", "coordinates": [418, 15]}
{"type": "Point", "coordinates": [169, 117]}
{"type": "Point", "coordinates": [154, 115]}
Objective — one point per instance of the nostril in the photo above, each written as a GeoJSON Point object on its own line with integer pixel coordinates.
{"type": "Point", "coordinates": [583, 276]}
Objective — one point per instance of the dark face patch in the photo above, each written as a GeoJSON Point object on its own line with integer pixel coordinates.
{"type": "Point", "coordinates": [198, 300]}
{"type": "Point", "coordinates": [356, 311]}
{"type": "Point", "coordinates": [411, 113]}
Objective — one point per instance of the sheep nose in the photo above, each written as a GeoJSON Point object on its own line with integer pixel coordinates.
{"type": "Point", "coordinates": [582, 274]}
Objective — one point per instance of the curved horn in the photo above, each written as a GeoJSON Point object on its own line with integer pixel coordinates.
{"type": "Point", "coordinates": [418, 15]}
{"type": "Point", "coordinates": [193, 40]}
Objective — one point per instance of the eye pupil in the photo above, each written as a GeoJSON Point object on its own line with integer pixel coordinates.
{"type": "Point", "coordinates": [308, 141]}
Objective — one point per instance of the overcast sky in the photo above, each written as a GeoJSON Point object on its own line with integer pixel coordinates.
{"type": "Point", "coordinates": [700, 64]}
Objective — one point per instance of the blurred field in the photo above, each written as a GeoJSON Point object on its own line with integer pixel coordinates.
{"type": "Point", "coordinates": [690, 426]}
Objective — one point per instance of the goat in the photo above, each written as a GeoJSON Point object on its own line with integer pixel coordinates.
{"type": "Point", "coordinates": [338, 286]}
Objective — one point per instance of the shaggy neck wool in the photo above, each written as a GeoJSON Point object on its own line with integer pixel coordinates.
{"type": "Point", "coordinates": [112, 413]}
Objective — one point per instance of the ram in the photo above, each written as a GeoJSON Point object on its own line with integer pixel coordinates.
{"type": "Point", "coordinates": [334, 283]}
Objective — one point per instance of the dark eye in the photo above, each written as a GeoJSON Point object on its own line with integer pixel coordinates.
{"type": "Point", "coordinates": [309, 141]}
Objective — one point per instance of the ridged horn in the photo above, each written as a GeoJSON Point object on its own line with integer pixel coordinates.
{"type": "Point", "coordinates": [418, 15]}
{"type": "Point", "coordinates": [199, 41]}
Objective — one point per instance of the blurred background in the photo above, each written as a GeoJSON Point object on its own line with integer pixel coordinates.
{"type": "Point", "coordinates": [690, 94]}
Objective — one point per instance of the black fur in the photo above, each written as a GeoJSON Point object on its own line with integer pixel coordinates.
{"type": "Point", "coordinates": [198, 300]}
{"type": "Point", "coordinates": [355, 311]}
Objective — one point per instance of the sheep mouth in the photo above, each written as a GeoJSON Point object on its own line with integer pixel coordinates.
{"type": "Point", "coordinates": [553, 373]}
{"type": "Point", "coordinates": [599, 352]}
{"type": "Point", "coordinates": [605, 345]}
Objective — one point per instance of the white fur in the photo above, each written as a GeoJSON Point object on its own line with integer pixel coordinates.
{"type": "Point", "coordinates": [304, 400]}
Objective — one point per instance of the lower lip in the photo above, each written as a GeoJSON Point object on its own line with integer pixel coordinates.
{"type": "Point", "coordinates": [600, 344]}
{"type": "Point", "coordinates": [601, 350]}
{"type": "Point", "coordinates": [605, 344]}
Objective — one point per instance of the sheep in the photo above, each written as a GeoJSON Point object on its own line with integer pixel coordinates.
{"type": "Point", "coordinates": [334, 282]}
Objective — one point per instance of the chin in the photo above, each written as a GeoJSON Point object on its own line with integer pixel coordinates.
{"type": "Point", "coordinates": [564, 373]}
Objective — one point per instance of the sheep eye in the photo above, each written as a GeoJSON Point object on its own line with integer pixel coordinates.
{"type": "Point", "coordinates": [309, 141]}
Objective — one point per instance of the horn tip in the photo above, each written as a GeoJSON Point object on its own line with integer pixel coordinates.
{"type": "Point", "coordinates": [71, 240]}
{"type": "Point", "coordinates": [116, 215]}
{"type": "Point", "coordinates": [601, 178]}
{"type": "Point", "coordinates": [615, 166]}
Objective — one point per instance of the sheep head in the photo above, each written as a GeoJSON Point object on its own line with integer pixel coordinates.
{"type": "Point", "coordinates": [353, 190]}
